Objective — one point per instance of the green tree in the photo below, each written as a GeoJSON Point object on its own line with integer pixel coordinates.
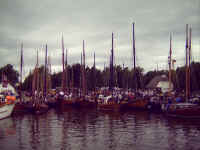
{"type": "Point", "coordinates": [11, 74]}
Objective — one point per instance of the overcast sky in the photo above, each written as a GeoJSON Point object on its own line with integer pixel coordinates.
{"type": "Point", "coordinates": [37, 22]}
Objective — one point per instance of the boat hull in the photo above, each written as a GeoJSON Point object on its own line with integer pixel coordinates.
{"type": "Point", "coordinates": [41, 110]}
{"type": "Point", "coordinates": [85, 104]}
{"type": "Point", "coordinates": [6, 110]}
{"type": "Point", "coordinates": [20, 108]}
{"type": "Point", "coordinates": [181, 111]}
{"type": "Point", "coordinates": [137, 104]}
{"type": "Point", "coordinates": [109, 107]}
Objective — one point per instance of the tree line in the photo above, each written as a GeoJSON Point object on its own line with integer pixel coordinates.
{"type": "Point", "coordinates": [123, 77]}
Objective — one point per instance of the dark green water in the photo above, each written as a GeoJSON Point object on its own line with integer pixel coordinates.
{"type": "Point", "coordinates": [94, 130]}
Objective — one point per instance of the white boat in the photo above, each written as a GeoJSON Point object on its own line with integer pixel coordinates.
{"type": "Point", "coordinates": [6, 109]}
{"type": "Point", "coordinates": [7, 98]}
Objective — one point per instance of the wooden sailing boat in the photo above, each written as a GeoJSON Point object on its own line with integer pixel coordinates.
{"type": "Point", "coordinates": [110, 103]}
{"type": "Point", "coordinates": [61, 94]}
{"type": "Point", "coordinates": [137, 102]}
{"type": "Point", "coordinates": [84, 101]}
{"type": "Point", "coordinates": [185, 109]}
{"type": "Point", "coordinates": [39, 106]}
{"type": "Point", "coordinates": [50, 96]}
{"type": "Point", "coordinates": [30, 105]}
{"type": "Point", "coordinates": [69, 99]}
{"type": "Point", "coordinates": [20, 105]}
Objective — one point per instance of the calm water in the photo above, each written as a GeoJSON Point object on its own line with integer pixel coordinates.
{"type": "Point", "coordinates": [93, 130]}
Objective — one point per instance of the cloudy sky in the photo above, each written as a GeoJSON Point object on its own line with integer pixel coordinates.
{"type": "Point", "coordinates": [37, 22]}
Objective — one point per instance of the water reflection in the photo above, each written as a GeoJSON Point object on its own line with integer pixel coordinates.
{"type": "Point", "coordinates": [7, 127]}
{"type": "Point", "coordinates": [90, 129]}
{"type": "Point", "coordinates": [7, 133]}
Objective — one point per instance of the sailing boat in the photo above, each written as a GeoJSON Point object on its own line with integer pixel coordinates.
{"type": "Point", "coordinates": [136, 102]}
{"type": "Point", "coordinates": [185, 109]}
{"type": "Point", "coordinates": [69, 98]}
{"type": "Point", "coordinates": [64, 99]}
{"type": "Point", "coordinates": [20, 105]}
{"type": "Point", "coordinates": [39, 106]}
{"type": "Point", "coordinates": [84, 101]}
{"type": "Point", "coordinates": [109, 102]}
{"type": "Point", "coordinates": [7, 98]}
{"type": "Point", "coordinates": [50, 99]}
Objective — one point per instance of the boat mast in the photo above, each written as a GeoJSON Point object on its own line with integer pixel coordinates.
{"type": "Point", "coordinates": [48, 74]}
{"type": "Point", "coordinates": [134, 63]}
{"type": "Point", "coordinates": [83, 71]}
{"type": "Point", "coordinates": [81, 75]}
{"type": "Point", "coordinates": [63, 65]}
{"type": "Point", "coordinates": [21, 66]}
{"type": "Point", "coordinates": [66, 70]}
{"type": "Point", "coordinates": [36, 74]}
{"type": "Point", "coordinates": [187, 67]}
{"type": "Point", "coordinates": [45, 74]}
{"type": "Point", "coordinates": [170, 62]}
{"type": "Point", "coordinates": [94, 67]}
{"type": "Point", "coordinates": [190, 46]}
{"type": "Point", "coordinates": [111, 66]}
{"type": "Point", "coordinates": [133, 46]}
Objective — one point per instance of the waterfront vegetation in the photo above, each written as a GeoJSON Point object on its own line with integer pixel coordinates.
{"type": "Point", "coordinates": [123, 77]}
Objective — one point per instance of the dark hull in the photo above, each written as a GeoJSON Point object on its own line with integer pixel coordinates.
{"type": "Point", "coordinates": [20, 108]}
{"type": "Point", "coordinates": [52, 103]}
{"type": "Point", "coordinates": [36, 109]}
{"type": "Point", "coordinates": [154, 107]}
{"type": "Point", "coordinates": [109, 107]}
{"type": "Point", "coordinates": [85, 104]}
{"type": "Point", "coordinates": [40, 109]}
{"type": "Point", "coordinates": [137, 104]}
{"type": "Point", "coordinates": [183, 110]}
{"type": "Point", "coordinates": [190, 113]}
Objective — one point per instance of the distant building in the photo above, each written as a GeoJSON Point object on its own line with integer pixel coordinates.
{"type": "Point", "coordinates": [161, 82]}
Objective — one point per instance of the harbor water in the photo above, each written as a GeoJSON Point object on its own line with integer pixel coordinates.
{"type": "Point", "coordinates": [74, 129]}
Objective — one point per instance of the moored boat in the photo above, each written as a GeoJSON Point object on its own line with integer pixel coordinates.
{"type": "Point", "coordinates": [138, 104]}
{"type": "Point", "coordinates": [6, 109]}
{"type": "Point", "coordinates": [7, 99]}
{"type": "Point", "coordinates": [111, 103]}
{"type": "Point", "coordinates": [85, 102]}
{"type": "Point", "coordinates": [183, 110]}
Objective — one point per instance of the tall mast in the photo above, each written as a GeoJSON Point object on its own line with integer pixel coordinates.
{"type": "Point", "coordinates": [186, 46]}
{"type": "Point", "coordinates": [81, 75]}
{"type": "Point", "coordinates": [63, 65]}
{"type": "Point", "coordinates": [21, 66]}
{"type": "Point", "coordinates": [45, 74]}
{"type": "Point", "coordinates": [49, 73]}
{"type": "Point", "coordinates": [112, 60]}
{"type": "Point", "coordinates": [135, 77]}
{"type": "Point", "coordinates": [134, 47]}
{"type": "Point", "coordinates": [170, 62]}
{"type": "Point", "coordinates": [111, 66]}
{"type": "Point", "coordinates": [66, 69]}
{"type": "Point", "coordinates": [83, 79]}
{"type": "Point", "coordinates": [37, 80]}
{"type": "Point", "coordinates": [94, 73]}
{"type": "Point", "coordinates": [36, 74]}
{"type": "Point", "coordinates": [189, 57]}
{"type": "Point", "coordinates": [94, 61]}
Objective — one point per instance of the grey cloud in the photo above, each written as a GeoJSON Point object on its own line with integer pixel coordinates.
{"type": "Point", "coordinates": [36, 23]}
